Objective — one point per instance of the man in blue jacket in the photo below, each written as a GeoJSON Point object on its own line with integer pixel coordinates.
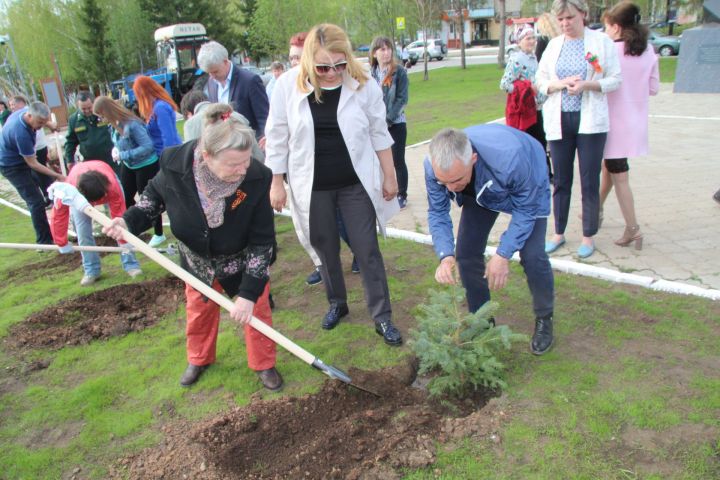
{"type": "Point", "coordinates": [489, 169]}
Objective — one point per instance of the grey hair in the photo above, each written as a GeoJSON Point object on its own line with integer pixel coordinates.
{"type": "Point", "coordinates": [560, 6]}
{"type": "Point", "coordinates": [449, 145]}
{"type": "Point", "coordinates": [224, 132]}
{"type": "Point", "coordinates": [211, 53]}
{"type": "Point", "coordinates": [39, 110]}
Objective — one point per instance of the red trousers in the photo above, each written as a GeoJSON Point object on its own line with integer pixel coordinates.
{"type": "Point", "coordinates": [203, 318]}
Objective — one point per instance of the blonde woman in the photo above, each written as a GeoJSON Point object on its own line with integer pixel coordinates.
{"type": "Point", "coordinates": [327, 132]}
{"type": "Point", "coordinates": [576, 72]}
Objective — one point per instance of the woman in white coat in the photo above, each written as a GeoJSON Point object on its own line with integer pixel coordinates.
{"type": "Point", "coordinates": [577, 70]}
{"type": "Point", "coordinates": [327, 133]}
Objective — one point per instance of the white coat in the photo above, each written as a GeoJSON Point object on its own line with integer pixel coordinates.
{"type": "Point", "coordinates": [290, 147]}
{"type": "Point", "coordinates": [594, 109]}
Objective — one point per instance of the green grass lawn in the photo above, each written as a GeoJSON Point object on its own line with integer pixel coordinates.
{"type": "Point", "coordinates": [453, 97]}
{"type": "Point", "coordinates": [631, 389]}
{"type": "Point", "coordinates": [668, 65]}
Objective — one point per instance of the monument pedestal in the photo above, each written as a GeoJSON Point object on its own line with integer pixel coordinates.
{"type": "Point", "coordinates": [698, 67]}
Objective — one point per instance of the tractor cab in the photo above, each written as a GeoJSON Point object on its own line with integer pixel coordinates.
{"type": "Point", "coordinates": [177, 47]}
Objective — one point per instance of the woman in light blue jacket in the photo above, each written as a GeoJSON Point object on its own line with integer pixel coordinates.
{"type": "Point", "coordinates": [134, 150]}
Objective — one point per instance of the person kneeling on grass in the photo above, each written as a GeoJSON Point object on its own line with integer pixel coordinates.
{"type": "Point", "coordinates": [489, 169]}
{"type": "Point", "coordinates": [97, 182]}
{"type": "Point", "coordinates": [217, 197]}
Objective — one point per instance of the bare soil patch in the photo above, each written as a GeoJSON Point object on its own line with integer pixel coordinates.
{"type": "Point", "coordinates": [103, 314]}
{"type": "Point", "coordinates": [338, 433]}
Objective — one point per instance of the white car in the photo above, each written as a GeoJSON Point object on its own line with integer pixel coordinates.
{"type": "Point", "coordinates": [435, 49]}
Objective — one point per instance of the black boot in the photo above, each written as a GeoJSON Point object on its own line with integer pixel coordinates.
{"type": "Point", "coordinates": [334, 314]}
{"type": "Point", "coordinates": [542, 339]}
{"type": "Point", "coordinates": [390, 334]}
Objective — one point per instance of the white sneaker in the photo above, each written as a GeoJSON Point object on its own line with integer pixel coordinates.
{"type": "Point", "coordinates": [134, 272]}
{"type": "Point", "coordinates": [157, 240]}
{"type": "Point", "coordinates": [88, 280]}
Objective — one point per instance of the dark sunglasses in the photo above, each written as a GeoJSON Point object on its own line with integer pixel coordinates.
{"type": "Point", "coordinates": [322, 68]}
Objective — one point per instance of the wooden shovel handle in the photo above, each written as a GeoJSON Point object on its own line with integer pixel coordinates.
{"type": "Point", "coordinates": [198, 285]}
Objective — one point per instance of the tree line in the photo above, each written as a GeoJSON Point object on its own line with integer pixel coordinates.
{"type": "Point", "coordinates": [97, 41]}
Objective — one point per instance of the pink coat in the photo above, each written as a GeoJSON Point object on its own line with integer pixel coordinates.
{"type": "Point", "coordinates": [628, 105]}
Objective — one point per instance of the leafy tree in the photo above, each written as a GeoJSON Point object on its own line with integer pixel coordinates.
{"type": "Point", "coordinates": [428, 16]}
{"type": "Point", "coordinates": [459, 347]}
{"type": "Point", "coordinates": [131, 37]}
{"type": "Point", "coordinates": [96, 45]}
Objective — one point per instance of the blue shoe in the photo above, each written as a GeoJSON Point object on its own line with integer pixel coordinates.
{"type": "Point", "coordinates": [157, 240]}
{"type": "Point", "coordinates": [550, 247]}
{"type": "Point", "coordinates": [584, 251]}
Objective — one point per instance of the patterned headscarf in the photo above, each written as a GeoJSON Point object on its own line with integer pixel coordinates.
{"type": "Point", "coordinates": [213, 191]}
{"type": "Point", "coordinates": [523, 32]}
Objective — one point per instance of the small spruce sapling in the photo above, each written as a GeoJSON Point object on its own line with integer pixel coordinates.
{"type": "Point", "coordinates": [459, 346]}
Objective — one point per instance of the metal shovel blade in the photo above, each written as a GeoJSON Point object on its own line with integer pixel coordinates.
{"type": "Point", "coordinates": [337, 374]}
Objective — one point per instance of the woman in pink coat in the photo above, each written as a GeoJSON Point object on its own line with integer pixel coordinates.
{"type": "Point", "coordinates": [628, 110]}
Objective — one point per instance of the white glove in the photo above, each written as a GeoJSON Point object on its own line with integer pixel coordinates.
{"type": "Point", "coordinates": [115, 155]}
{"type": "Point", "coordinates": [66, 194]}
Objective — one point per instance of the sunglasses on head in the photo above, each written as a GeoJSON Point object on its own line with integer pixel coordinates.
{"type": "Point", "coordinates": [325, 67]}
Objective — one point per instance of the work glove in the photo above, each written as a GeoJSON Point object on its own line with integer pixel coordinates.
{"type": "Point", "coordinates": [65, 249]}
{"type": "Point", "coordinates": [115, 155]}
{"type": "Point", "coordinates": [66, 194]}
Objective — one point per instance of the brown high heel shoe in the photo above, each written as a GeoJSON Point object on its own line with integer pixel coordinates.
{"type": "Point", "coordinates": [631, 234]}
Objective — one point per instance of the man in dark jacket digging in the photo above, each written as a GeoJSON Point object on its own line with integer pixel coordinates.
{"type": "Point", "coordinates": [489, 169]}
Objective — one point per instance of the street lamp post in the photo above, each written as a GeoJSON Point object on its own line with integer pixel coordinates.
{"type": "Point", "coordinates": [5, 39]}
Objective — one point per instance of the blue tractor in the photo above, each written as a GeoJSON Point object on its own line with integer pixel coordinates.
{"type": "Point", "coordinates": [177, 47]}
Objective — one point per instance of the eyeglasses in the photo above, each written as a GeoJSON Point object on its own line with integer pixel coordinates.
{"type": "Point", "coordinates": [323, 68]}
{"type": "Point", "coordinates": [295, 58]}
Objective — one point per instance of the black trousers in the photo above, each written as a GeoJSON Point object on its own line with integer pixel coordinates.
{"type": "Point", "coordinates": [589, 148]}
{"type": "Point", "coordinates": [355, 205]}
{"type": "Point", "coordinates": [134, 181]}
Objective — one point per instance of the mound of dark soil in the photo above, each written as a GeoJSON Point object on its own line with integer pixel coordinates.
{"type": "Point", "coordinates": [102, 314]}
{"type": "Point", "coordinates": [337, 433]}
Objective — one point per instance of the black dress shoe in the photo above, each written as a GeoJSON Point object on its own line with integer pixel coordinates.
{"type": "Point", "coordinates": [334, 314]}
{"type": "Point", "coordinates": [192, 373]}
{"type": "Point", "coordinates": [271, 379]}
{"type": "Point", "coordinates": [389, 332]}
{"type": "Point", "coordinates": [542, 339]}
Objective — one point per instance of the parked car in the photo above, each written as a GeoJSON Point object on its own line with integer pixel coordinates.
{"type": "Point", "coordinates": [363, 48]}
{"type": "Point", "coordinates": [664, 45]}
{"type": "Point", "coordinates": [435, 48]}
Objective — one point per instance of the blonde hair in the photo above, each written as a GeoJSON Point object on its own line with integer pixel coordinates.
{"type": "Point", "coordinates": [224, 132]}
{"type": "Point", "coordinates": [333, 39]}
{"type": "Point", "coordinates": [548, 25]}
{"type": "Point", "coordinates": [560, 6]}
{"type": "Point", "coordinates": [114, 113]}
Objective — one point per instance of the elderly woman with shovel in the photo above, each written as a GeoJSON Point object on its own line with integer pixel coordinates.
{"type": "Point", "coordinates": [217, 198]}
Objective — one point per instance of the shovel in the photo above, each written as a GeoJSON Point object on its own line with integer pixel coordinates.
{"type": "Point", "coordinates": [226, 303]}
{"type": "Point", "coordinates": [170, 250]}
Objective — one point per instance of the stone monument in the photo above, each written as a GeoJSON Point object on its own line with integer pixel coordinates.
{"type": "Point", "coordinates": [698, 67]}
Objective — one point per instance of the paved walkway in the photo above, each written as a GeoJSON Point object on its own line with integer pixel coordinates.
{"type": "Point", "coordinates": [673, 188]}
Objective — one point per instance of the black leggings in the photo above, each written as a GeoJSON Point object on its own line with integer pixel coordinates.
{"type": "Point", "coordinates": [398, 132]}
{"type": "Point", "coordinates": [134, 181]}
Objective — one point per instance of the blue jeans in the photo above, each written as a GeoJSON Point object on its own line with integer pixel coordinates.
{"type": "Point", "coordinates": [475, 225]}
{"type": "Point", "coordinates": [21, 178]}
{"type": "Point", "coordinates": [91, 260]}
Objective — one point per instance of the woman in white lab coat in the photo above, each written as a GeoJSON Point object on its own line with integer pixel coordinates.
{"type": "Point", "coordinates": [327, 134]}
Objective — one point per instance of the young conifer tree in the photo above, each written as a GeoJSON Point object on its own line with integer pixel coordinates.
{"type": "Point", "coordinates": [459, 347]}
